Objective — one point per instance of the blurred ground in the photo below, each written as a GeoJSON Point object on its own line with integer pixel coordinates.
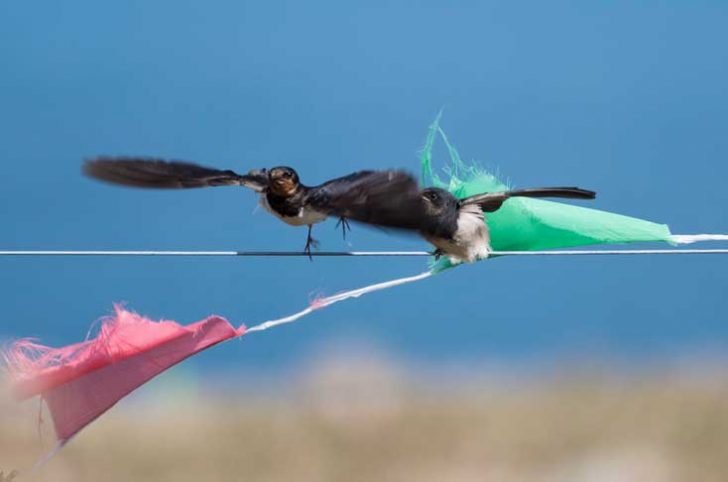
{"type": "Point", "coordinates": [365, 419]}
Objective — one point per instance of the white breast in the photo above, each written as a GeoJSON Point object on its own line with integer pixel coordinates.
{"type": "Point", "coordinates": [472, 239]}
{"type": "Point", "coordinates": [305, 215]}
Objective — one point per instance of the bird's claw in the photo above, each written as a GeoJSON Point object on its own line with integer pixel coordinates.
{"type": "Point", "coordinates": [437, 254]}
{"type": "Point", "coordinates": [310, 242]}
{"type": "Point", "coordinates": [344, 223]}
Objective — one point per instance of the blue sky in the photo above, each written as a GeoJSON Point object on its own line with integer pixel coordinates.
{"type": "Point", "coordinates": [624, 98]}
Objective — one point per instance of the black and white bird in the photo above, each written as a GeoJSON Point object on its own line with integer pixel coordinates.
{"type": "Point", "coordinates": [458, 228]}
{"type": "Point", "coordinates": [372, 197]}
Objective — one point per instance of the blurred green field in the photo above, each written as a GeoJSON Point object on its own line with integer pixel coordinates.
{"type": "Point", "coordinates": [364, 421]}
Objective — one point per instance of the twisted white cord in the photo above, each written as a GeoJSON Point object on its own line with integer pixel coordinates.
{"type": "Point", "coordinates": [330, 300]}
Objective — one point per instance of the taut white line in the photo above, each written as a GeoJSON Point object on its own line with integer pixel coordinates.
{"type": "Point", "coordinates": [574, 252]}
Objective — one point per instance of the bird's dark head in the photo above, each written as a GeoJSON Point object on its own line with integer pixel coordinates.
{"type": "Point", "coordinates": [283, 181]}
{"type": "Point", "coordinates": [439, 202]}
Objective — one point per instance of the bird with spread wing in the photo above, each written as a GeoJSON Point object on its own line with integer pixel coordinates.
{"type": "Point", "coordinates": [373, 197]}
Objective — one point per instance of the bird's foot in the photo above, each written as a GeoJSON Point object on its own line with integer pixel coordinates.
{"type": "Point", "coordinates": [310, 243]}
{"type": "Point", "coordinates": [437, 254]}
{"type": "Point", "coordinates": [344, 223]}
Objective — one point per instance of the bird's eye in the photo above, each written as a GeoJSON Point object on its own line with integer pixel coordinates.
{"type": "Point", "coordinates": [287, 174]}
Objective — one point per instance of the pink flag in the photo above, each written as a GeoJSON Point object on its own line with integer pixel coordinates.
{"type": "Point", "coordinates": [82, 381]}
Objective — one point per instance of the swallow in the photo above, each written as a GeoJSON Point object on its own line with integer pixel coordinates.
{"type": "Point", "coordinates": [458, 228]}
{"type": "Point", "coordinates": [371, 197]}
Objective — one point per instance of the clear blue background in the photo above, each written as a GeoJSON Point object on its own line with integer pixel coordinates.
{"type": "Point", "coordinates": [630, 100]}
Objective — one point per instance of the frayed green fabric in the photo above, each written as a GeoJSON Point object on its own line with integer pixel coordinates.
{"type": "Point", "coordinates": [524, 224]}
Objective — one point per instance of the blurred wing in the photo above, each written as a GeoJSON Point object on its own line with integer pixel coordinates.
{"type": "Point", "coordinates": [389, 199]}
{"type": "Point", "coordinates": [492, 201]}
{"type": "Point", "coordinates": [157, 173]}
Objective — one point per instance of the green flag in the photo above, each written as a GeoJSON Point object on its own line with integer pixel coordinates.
{"type": "Point", "coordinates": [524, 224]}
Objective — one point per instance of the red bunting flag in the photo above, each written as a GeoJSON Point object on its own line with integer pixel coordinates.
{"type": "Point", "coordinates": [80, 382]}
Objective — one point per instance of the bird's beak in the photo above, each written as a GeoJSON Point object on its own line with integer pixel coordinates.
{"type": "Point", "coordinates": [256, 179]}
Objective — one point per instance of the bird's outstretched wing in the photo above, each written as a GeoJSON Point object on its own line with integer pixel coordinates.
{"type": "Point", "coordinates": [389, 199]}
{"type": "Point", "coordinates": [161, 174]}
{"type": "Point", "coordinates": [492, 201]}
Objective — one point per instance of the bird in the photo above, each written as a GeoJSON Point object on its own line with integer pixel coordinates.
{"type": "Point", "coordinates": [458, 228]}
{"type": "Point", "coordinates": [371, 197]}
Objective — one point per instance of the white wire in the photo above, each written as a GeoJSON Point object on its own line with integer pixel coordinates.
{"type": "Point", "coordinates": [574, 252]}
{"type": "Point", "coordinates": [210, 253]}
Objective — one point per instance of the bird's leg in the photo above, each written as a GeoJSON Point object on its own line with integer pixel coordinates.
{"type": "Point", "coordinates": [344, 223]}
{"type": "Point", "coordinates": [309, 243]}
{"type": "Point", "coordinates": [437, 254]}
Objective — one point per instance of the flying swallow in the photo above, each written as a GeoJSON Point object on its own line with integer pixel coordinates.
{"type": "Point", "coordinates": [372, 197]}
{"type": "Point", "coordinates": [458, 228]}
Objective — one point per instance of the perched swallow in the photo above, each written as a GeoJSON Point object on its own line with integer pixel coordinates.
{"type": "Point", "coordinates": [458, 227]}
{"type": "Point", "coordinates": [373, 197]}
